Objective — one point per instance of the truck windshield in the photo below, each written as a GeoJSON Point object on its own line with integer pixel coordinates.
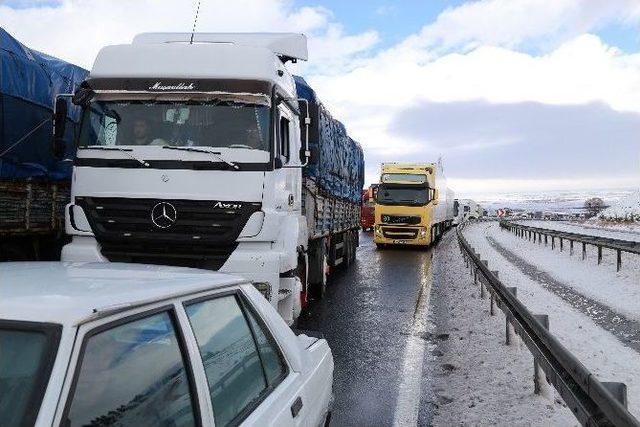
{"type": "Point", "coordinates": [403, 195]}
{"type": "Point", "coordinates": [25, 365]}
{"type": "Point", "coordinates": [179, 124]}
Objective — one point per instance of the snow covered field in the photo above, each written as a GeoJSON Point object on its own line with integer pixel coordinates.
{"type": "Point", "coordinates": [594, 311]}
{"type": "Point", "coordinates": [618, 231]}
{"type": "Point", "coordinates": [477, 379]}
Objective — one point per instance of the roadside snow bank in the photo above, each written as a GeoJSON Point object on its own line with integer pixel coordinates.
{"type": "Point", "coordinates": [597, 349]}
{"type": "Point", "coordinates": [618, 290]}
{"type": "Point", "coordinates": [477, 379]}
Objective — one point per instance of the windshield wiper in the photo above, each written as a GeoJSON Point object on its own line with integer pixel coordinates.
{"type": "Point", "coordinates": [126, 151]}
{"type": "Point", "coordinates": [217, 154]}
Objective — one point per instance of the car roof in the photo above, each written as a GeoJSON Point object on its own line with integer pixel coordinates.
{"type": "Point", "coordinates": [69, 293]}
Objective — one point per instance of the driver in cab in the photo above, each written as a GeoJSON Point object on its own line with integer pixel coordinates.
{"type": "Point", "coordinates": [141, 134]}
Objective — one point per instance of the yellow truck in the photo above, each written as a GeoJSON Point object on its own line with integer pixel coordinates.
{"type": "Point", "coordinates": [413, 204]}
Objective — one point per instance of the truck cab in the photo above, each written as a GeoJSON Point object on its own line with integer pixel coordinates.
{"type": "Point", "coordinates": [189, 154]}
{"type": "Point", "coordinates": [410, 205]}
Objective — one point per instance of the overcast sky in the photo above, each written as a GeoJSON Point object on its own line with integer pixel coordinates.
{"type": "Point", "coordinates": [513, 94]}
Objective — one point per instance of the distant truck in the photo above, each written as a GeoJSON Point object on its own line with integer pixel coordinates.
{"type": "Point", "coordinates": [464, 209]}
{"type": "Point", "coordinates": [212, 155]}
{"type": "Point", "coordinates": [34, 183]}
{"type": "Point", "coordinates": [413, 204]}
{"type": "Point", "coordinates": [367, 212]}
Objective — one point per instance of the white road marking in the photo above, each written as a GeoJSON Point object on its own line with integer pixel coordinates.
{"type": "Point", "coordinates": [407, 405]}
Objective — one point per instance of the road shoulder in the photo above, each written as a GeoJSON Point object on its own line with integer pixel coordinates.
{"type": "Point", "coordinates": [476, 378]}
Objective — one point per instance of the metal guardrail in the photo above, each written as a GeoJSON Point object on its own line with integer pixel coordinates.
{"type": "Point", "coordinates": [536, 234]}
{"type": "Point", "coordinates": [592, 402]}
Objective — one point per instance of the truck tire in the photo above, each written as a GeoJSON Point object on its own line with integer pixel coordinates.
{"type": "Point", "coordinates": [381, 246]}
{"type": "Point", "coordinates": [318, 268]}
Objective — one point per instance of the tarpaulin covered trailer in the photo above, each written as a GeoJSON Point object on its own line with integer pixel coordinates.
{"type": "Point", "coordinates": [337, 161]}
{"type": "Point", "coordinates": [34, 184]}
{"type": "Point", "coordinates": [29, 83]}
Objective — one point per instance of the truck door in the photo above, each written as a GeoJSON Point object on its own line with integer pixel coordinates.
{"type": "Point", "coordinates": [287, 148]}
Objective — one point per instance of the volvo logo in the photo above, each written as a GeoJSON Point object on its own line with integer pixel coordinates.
{"type": "Point", "coordinates": [165, 178]}
{"type": "Point", "coordinates": [164, 215]}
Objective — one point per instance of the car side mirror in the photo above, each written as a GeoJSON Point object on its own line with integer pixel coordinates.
{"type": "Point", "coordinates": [59, 127]}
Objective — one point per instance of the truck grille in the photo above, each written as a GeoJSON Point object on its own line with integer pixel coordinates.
{"type": "Point", "coordinates": [399, 232]}
{"type": "Point", "coordinates": [397, 219]}
{"type": "Point", "coordinates": [196, 233]}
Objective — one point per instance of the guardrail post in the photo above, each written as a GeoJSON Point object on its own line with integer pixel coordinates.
{"type": "Point", "coordinates": [510, 332]}
{"type": "Point", "coordinates": [599, 254]}
{"type": "Point", "coordinates": [570, 247]}
{"type": "Point", "coordinates": [561, 244]}
{"type": "Point", "coordinates": [482, 290]}
{"type": "Point", "coordinates": [540, 384]}
{"type": "Point", "coordinates": [545, 240]}
{"type": "Point", "coordinates": [618, 390]}
{"type": "Point", "coordinates": [584, 250]}
{"type": "Point", "coordinates": [492, 309]}
{"type": "Point", "coordinates": [553, 242]}
{"type": "Point", "coordinates": [618, 260]}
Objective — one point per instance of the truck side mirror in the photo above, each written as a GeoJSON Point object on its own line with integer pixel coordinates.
{"type": "Point", "coordinates": [436, 196]}
{"type": "Point", "coordinates": [59, 127]}
{"type": "Point", "coordinates": [277, 163]}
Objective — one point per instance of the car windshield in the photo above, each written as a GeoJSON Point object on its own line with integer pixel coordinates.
{"type": "Point", "coordinates": [179, 124]}
{"type": "Point", "coordinates": [24, 371]}
{"type": "Point", "coordinates": [396, 195]}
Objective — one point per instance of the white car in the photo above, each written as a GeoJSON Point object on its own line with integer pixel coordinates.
{"type": "Point", "coordinates": [139, 345]}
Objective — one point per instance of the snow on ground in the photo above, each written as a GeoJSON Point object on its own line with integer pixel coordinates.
{"type": "Point", "coordinates": [618, 231]}
{"type": "Point", "coordinates": [627, 209]}
{"type": "Point", "coordinates": [600, 351]}
{"type": "Point", "coordinates": [619, 290]}
{"type": "Point", "coordinates": [477, 379]}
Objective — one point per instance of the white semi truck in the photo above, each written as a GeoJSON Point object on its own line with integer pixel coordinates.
{"type": "Point", "coordinates": [196, 150]}
{"type": "Point", "coordinates": [464, 209]}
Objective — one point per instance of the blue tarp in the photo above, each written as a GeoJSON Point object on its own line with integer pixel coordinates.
{"type": "Point", "coordinates": [29, 83]}
{"type": "Point", "coordinates": [337, 162]}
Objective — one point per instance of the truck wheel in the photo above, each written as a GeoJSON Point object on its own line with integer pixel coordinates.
{"type": "Point", "coordinates": [318, 270]}
{"type": "Point", "coordinates": [381, 246]}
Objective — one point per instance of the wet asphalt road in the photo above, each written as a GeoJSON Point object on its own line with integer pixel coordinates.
{"type": "Point", "coordinates": [367, 318]}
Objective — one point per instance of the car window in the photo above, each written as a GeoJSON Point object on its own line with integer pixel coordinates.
{"type": "Point", "coordinates": [133, 375]}
{"type": "Point", "coordinates": [272, 360]}
{"type": "Point", "coordinates": [26, 357]}
{"type": "Point", "coordinates": [233, 364]}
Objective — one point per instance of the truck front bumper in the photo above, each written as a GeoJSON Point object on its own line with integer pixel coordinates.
{"type": "Point", "coordinates": [257, 262]}
{"type": "Point", "coordinates": [401, 235]}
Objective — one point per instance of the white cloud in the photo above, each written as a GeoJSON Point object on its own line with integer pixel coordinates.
{"type": "Point", "coordinates": [515, 22]}
{"type": "Point", "coordinates": [580, 71]}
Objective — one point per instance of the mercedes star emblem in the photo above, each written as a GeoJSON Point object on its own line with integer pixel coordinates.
{"type": "Point", "coordinates": [164, 215]}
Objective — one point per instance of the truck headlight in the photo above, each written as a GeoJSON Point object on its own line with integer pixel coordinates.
{"type": "Point", "coordinates": [378, 230]}
{"type": "Point", "coordinates": [423, 233]}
